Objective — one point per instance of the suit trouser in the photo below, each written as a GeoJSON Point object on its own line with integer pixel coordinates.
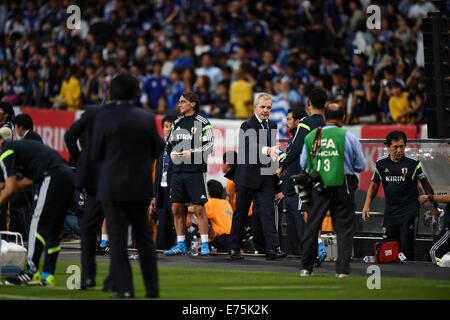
{"type": "Point", "coordinates": [340, 202]}
{"type": "Point", "coordinates": [91, 224]}
{"type": "Point", "coordinates": [118, 216]}
{"type": "Point", "coordinates": [166, 235]}
{"type": "Point", "coordinates": [295, 222]}
{"type": "Point", "coordinates": [53, 202]}
{"type": "Point", "coordinates": [264, 195]}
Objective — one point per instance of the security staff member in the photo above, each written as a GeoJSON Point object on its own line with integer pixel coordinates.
{"type": "Point", "coordinates": [126, 142]}
{"type": "Point", "coordinates": [399, 175]}
{"type": "Point", "coordinates": [293, 217]}
{"type": "Point", "coordinates": [337, 160]}
{"type": "Point", "coordinates": [255, 179]}
{"type": "Point", "coordinates": [39, 164]}
{"type": "Point", "coordinates": [160, 204]}
{"type": "Point", "coordinates": [189, 144]}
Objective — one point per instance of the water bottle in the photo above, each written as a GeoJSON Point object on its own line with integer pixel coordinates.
{"type": "Point", "coordinates": [194, 246]}
{"type": "Point", "coordinates": [369, 259]}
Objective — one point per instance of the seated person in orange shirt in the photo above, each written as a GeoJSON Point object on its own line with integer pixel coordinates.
{"type": "Point", "coordinates": [219, 213]}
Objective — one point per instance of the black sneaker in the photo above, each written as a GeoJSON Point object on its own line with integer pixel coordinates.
{"type": "Point", "coordinates": [102, 250]}
{"type": "Point", "coordinates": [22, 278]}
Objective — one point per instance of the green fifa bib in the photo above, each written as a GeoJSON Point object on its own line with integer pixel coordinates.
{"type": "Point", "coordinates": [329, 161]}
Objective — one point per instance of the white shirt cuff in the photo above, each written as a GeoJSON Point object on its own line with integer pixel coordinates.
{"type": "Point", "coordinates": [265, 150]}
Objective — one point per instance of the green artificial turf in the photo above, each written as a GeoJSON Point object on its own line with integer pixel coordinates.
{"type": "Point", "coordinates": [178, 283]}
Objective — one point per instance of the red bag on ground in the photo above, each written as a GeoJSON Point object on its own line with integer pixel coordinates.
{"type": "Point", "coordinates": [386, 251]}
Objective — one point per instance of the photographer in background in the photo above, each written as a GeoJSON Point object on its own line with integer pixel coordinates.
{"type": "Point", "coordinates": [337, 158]}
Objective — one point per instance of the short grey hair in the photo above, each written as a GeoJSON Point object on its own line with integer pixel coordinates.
{"type": "Point", "coordinates": [263, 95]}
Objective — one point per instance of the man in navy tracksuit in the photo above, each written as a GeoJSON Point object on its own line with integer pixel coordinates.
{"type": "Point", "coordinates": [39, 164]}
{"type": "Point", "coordinates": [189, 144]}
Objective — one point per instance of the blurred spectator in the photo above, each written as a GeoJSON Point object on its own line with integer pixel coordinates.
{"type": "Point", "coordinates": [175, 89]}
{"type": "Point", "coordinates": [155, 87]}
{"type": "Point", "coordinates": [288, 94]}
{"type": "Point", "coordinates": [241, 95]}
{"type": "Point", "coordinates": [207, 68]}
{"type": "Point", "coordinates": [398, 103]}
{"type": "Point", "coordinates": [17, 24]}
{"type": "Point", "coordinates": [33, 90]}
{"type": "Point", "coordinates": [222, 107]}
{"type": "Point", "coordinates": [202, 88]}
{"type": "Point", "coordinates": [91, 86]}
{"type": "Point", "coordinates": [70, 93]}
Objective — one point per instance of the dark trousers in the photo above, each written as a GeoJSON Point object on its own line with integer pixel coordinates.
{"type": "Point", "coordinates": [118, 216]}
{"type": "Point", "coordinates": [166, 231]}
{"type": "Point", "coordinates": [264, 195]}
{"type": "Point", "coordinates": [404, 232]}
{"type": "Point", "coordinates": [91, 225]}
{"type": "Point", "coordinates": [340, 202]}
{"type": "Point", "coordinates": [54, 200]}
{"type": "Point", "coordinates": [221, 242]}
{"type": "Point", "coordinates": [295, 222]}
{"type": "Point", "coordinates": [21, 206]}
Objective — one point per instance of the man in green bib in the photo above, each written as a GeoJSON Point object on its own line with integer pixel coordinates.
{"type": "Point", "coordinates": [337, 159]}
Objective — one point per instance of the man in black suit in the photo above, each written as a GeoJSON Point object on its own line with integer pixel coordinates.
{"type": "Point", "coordinates": [86, 177]}
{"type": "Point", "coordinates": [255, 178]}
{"type": "Point", "coordinates": [24, 127]}
{"type": "Point", "coordinates": [126, 141]}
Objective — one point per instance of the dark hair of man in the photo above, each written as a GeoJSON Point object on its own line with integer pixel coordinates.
{"type": "Point", "coordinates": [125, 87]}
{"type": "Point", "coordinates": [318, 98]}
{"type": "Point", "coordinates": [297, 113]}
{"type": "Point", "coordinates": [169, 118]}
{"type": "Point", "coordinates": [230, 155]}
{"type": "Point", "coordinates": [192, 97]}
{"type": "Point", "coordinates": [23, 120]}
{"type": "Point", "coordinates": [7, 108]}
{"type": "Point", "coordinates": [215, 189]}
{"type": "Point", "coordinates": [395, 136]}
{"type": "Point", "coordinates": [334, 112]}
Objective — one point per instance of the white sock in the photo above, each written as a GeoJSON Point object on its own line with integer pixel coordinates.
{"type": "Point", "coordinates": [181, 238]}
{"type": "Point", "coordinates": [104, 237]}
{"type": "Point", "coordinates": [204, 238]}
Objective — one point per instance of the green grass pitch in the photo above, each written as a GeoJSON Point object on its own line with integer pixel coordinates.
{"type": "Point", "coordinates": [178, 283]}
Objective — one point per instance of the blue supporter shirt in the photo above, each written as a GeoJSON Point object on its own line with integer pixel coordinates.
{"type": "Point", "coordinates": [155, 87]}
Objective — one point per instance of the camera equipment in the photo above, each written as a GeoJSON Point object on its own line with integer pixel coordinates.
{"type": "Point", "coordinates": [304, 183]}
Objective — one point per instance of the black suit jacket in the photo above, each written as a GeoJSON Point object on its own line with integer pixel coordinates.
{"type": "Point", "coordinates": [252, 139]}
{"type": "Point", "coordinates": [87, 170]}
{"type": "Point", "coordinates": [32, 136]}
{"type": "Point", "coordinates": [159, 195]}
{"type": "Point", "coordinates": [126, 141]}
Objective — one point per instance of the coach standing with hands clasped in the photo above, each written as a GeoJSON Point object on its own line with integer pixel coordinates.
{"type": "Point", "coordinates": [337, 160]}
{"type": "Point", "coordinates": [255, 178]}
{"type": "Point", "coordinates": [125, 140]}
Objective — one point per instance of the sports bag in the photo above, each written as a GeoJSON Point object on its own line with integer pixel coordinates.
{"type": "Point", "coordinates": [386, 251]}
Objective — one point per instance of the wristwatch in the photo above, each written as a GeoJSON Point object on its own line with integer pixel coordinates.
{"type": "Point", "coordinates": [430, 198]}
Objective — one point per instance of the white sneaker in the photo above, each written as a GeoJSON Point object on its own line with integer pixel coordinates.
{"type": "Point", "coordinates": [341, 275]}
{"type": "Point", "coordinates": [305, 273]}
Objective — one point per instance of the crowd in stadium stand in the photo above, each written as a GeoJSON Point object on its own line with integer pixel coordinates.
{"type": "Point", "coordinates": [224, 51]}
